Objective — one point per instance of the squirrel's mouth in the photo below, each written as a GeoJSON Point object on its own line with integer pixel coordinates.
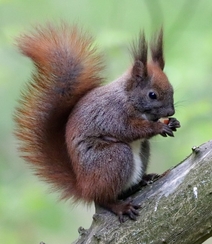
{"type": "Point", "coordinates": [150, 117]}
{"type": "Point", "coordinates": [153, 118]}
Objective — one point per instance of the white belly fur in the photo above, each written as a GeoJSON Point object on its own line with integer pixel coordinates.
{"type": "Point", "coordinates": [138, 164]}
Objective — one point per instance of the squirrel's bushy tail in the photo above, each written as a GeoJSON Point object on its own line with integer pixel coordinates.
{"type": "Point", "coordinates": [67, 67]}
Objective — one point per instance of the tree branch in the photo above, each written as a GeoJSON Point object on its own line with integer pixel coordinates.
{"type": "Point", "coordinates": [174, 209]}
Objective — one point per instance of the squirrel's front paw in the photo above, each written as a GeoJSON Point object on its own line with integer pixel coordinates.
{"type": "Point", "coordinates": [167, 129]}
{"type": "Point", "coordinates": [173, 124]}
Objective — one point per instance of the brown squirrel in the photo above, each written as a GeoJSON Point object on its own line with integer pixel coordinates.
{"type": "Point", "coordinates": [90, 140]}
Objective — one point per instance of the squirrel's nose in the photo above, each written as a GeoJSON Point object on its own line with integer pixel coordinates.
{"type": "Point", "coordinates": [170, 112]}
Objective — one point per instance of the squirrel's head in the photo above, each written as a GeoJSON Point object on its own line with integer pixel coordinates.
{"type": "Point", "coordinates": [148, 88]}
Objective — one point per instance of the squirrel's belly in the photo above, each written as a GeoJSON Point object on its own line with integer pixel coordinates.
{"type": "Point", "coordinates": [137, 172]}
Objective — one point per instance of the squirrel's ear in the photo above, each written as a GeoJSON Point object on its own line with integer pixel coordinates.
{"type": "Point", "coordinates": [138, 71]}
{"type": "Point", "coordinates": [139, 52]}
{"type": "Point", "coordinates": [157, 50]}
{"type": "Point", "coordinates": [139, 68]}
{"type": "Point", "coordinates": [138, 74]}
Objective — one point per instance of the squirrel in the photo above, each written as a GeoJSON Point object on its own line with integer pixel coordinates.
{"type": "Point", "coordinates": [88, 139]}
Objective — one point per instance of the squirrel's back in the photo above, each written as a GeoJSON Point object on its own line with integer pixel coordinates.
{"type": "Point", "coordinates": [67, 67]}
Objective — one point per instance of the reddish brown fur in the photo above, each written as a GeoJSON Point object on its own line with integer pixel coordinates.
{"type": "Point", "coordinates": [61, 55]}
{"type": "Point", "coordinates": [159, 78]}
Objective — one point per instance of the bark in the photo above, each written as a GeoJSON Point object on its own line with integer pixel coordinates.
{"type": "Point", "coordinates": [174, 209]}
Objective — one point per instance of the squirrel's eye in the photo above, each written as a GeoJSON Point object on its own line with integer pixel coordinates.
{"type": "Point", "coordinates": [152, 95]}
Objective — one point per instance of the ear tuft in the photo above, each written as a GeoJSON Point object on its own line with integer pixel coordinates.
{"type": "Point", "coordinates": [157, 49]}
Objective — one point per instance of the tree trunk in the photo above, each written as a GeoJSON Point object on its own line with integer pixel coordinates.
{"type": "Point", "coordinates": [174, 209]}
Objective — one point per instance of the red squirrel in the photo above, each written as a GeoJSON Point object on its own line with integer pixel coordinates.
{"type": "Point", "coordinates": [87, 139]}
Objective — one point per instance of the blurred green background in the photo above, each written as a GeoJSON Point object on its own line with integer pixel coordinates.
{"type": "Point", "coordinates": [28, 213]}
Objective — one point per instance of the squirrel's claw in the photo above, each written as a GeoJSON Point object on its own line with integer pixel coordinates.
{"type": "Point", "coordinates": [122, 208]}
{"type": "Point", "coordinates": [167, 131]}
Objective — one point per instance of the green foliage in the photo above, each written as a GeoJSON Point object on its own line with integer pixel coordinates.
{"type": "Point", "coordinates": [28, 213]}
